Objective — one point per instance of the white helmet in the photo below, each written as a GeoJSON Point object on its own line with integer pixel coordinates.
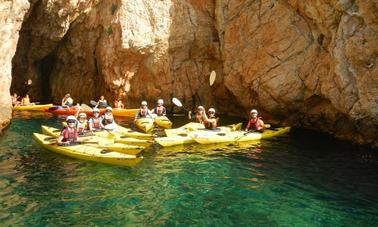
{"type": "Point", "coordinates": [108, 108]}
{"type": "Point", "coordinates": [143, 103]}
{"type": "Point", "coordinates": [200, 107]}
{"type": "Point", "coordinates": [254, 111]}
{"type": "Point", "coordinates": [71, 118]}
{"type": "Point", "coordinates": [212, 110]}
{"type": "Point", "coordinates": [96, 110]}
{"type": "Point", "coordinates": [84, 115]}
{"type": "Point", "coordinates": [160, 101]}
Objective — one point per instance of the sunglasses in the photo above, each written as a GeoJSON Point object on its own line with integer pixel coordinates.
{"type": "Point", "coordinates": [70, 121]}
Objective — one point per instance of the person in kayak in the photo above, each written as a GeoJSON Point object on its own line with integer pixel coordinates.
{"type": "Point", "coordinates": [254, 123]}
{"type": "Point", "coordinates": [67, 100]}
{"type": "Point", "coordinates": [15, 98]}
{"type": "Point", "coordinates": [160, 110]}
{"type": "Point", "coordinates": [94, 121]}
{"type": "Point", "coordinates": [210, 121]}
{"type": "Point", "coordinates": [69, 134]}
{"type": "Point", "coordinates": [107, 120]}
{"type": "Point", "coordinates": [102, 103]}
{"type": "Point", "coordinates": [143, 111]}
{"type": "Point", "coordinates": [118, 104]}
{"type": "Point", "coordinates": [199, 115]}
{"type": "Point", "coordinates": [25, 101]}
{"type": "Point", "coordinates": [82, 123]}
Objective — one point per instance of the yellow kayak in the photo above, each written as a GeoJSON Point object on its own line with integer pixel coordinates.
{"type": "Point", "coordinates": [134, 134]}
{"type": "Point", "coordinates": [185, 135]}
{"type": "Point", "coordinates": [145, 124]}
{"type": "Point", "coordinates": [124, 112]}
{"type": "Point", "coordinates": [194, 126]}
{"type": "Point", "coordinates": [191, 126]}
{"type": "Point", "coordinates": [106, 143]}
{"type": "Point", "coordinates": [236, 136]}
{"type": "Point", "coordinates": [89, 153]}
{"type": "Point", "coordinates": [163, 122]}
{"type": "Point", "coordinates": [179, 139]}
{"type": "Point", "coordinates": [33, 107]}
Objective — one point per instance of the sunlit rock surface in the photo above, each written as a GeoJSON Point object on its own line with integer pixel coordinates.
{"type": "Point", "coordinates": [11, 16]}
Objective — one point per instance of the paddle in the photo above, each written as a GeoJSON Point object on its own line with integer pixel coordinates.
{"type": "Point", "coordinates": [178, 103]}
{"type": "Point", "coordinates": [212, 77]}
{"type": "Point", "coordinates": [93, 103]}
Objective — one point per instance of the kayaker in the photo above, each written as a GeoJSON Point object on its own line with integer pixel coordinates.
{"type": "Point", "coordinates": [69, 134]}
{"type": "Point", "coordinates": [143, 111]}
{"type": "Point", "coordinates": [199, 115]}
{"type": "Point", "coordinates": [102, 103]}
{"type": "Point", "coordinates": [67, 100]}
{"type": "Point", "coordinates": [160, 110]}
{"type": "Point", "coordinates": [107, 120]}
{"type": "Point", "coordinates": [82, 123]}
{"type": "Point", "coordinates": [15, 98]}
{"type": "Point", "coordinates": [25, 101]}
{"type": "Point", "coordinates": [254, 123]}
{"type": "Point", "coordinates": [210, 121]}
{"type": "Point", "coordinates": [118, 104]}
{"type": "Point", "coordinates": [94, 121]}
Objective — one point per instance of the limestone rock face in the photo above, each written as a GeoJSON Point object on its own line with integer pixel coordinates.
{"type": "Point", "coordinates": [11, 16]}
{"type": "Point", "coordinates": [310, 63]}
{"type": "Point", "coordinates": [130, 49]}
{"type": "Point", "coordinates": [307, 63]}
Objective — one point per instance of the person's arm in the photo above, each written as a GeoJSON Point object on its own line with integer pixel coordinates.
{"type": "Point", "coordinates": [78, 111]}
{"type": "Point", "coordinates": [248, 125]}
{"type": "Point", "coordinates": [164, 111]}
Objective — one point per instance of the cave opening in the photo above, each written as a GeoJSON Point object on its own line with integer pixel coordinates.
{"type": "Point", "coordinates": [45, 67]}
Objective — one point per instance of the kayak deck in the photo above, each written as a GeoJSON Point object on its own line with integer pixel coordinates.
{"type": "Point", "coordinates": [89, 153]}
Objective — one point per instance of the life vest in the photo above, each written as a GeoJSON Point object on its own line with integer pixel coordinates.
{"type": "Point", "coordinates": [143, 112]}
{"type": "Point", "coordinates": [69, 135]}
{"type": "Point", "coordinates": [255, 124]}
{"type": "Point", "coordinates": [210, 124]}
{"type": "Point", "coordinates": [95, 123]}
{"type": "Point", "coordinates": [159, 110]}
{"type": "Point", "coordinates": [106, 121]}
{"type": "Point", "coordinates": [81, 126]}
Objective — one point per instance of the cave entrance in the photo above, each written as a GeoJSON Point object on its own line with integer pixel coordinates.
{"type": "Point", "coordinates": [44, 69]}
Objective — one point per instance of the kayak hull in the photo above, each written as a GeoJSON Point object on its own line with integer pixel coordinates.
{"type": "Point", "coordinates": [175, 140]}
{"type": "Point", "coordinates": [33, 107]}
{"type": "Point", "coordinates": [163, 122]}
{"type": "Point", "coordinates": [104, 142]}
{"type": "Point", "coordinates": [238, 136]}
{"type": "Point", "coordinates": [124, 112]}
{"type": "Point", "coordinates": [88, 153]}
{"type": "Point", "coordinates": [145, 124]}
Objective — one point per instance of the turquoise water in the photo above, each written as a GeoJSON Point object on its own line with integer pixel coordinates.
{"type": "Point", "coordinates": [301, 179]}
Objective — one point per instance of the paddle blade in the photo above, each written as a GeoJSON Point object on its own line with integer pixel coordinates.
{"type": "Point", "coordinates": [93, 103]}
{"type": "Point", "coordinates": [86, 107]}
{"type": "Point", "coordinates": [176, 102]}
{"type": "Point", "coordinates": [213, 75]}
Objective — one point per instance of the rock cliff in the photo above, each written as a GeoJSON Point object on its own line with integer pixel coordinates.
{"type": "Point", "coordinates": [11, 17]}
{"type": "Point", "coordinates": [307, 63]}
